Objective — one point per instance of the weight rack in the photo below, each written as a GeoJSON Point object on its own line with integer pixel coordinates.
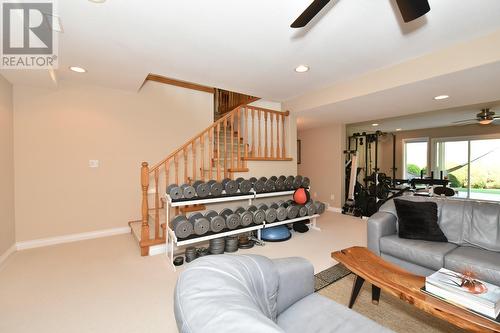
{"type": "Point", "coordinates": [172, 240]}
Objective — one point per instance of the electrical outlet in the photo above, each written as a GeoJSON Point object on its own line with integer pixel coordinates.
{"type": "Point", "coordinates": [332, 197]}
{"type": "Point", "coordinates": [315, 194]}
{"type": "Point", "coordinates": [93, 163]}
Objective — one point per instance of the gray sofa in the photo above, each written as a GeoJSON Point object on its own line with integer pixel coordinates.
{"type": "Point", "coordinates": [471, 227]}
{"type": "Point", "coordinates": [250, 293]}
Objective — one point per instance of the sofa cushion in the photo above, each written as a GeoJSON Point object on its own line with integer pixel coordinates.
{"type": "Point", "coordinates": [486, 264]}
{"type": "Point", "coordinates": [484, 228]}
{"type": "Point", "coordinates": [316, 313]}
{"type": "Point", "coordinates": [418, 220]}
{"type": "Point", "coordinates": [423, 253]}
{"type": "Point", "coordinates": [454, 215]}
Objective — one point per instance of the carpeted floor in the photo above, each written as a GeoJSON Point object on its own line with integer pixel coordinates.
{"type": "Point", "coordinates": [390, 312]}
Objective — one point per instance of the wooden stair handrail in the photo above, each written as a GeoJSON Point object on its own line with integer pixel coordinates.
{"type": "Point", "coordinates": [235, 130]}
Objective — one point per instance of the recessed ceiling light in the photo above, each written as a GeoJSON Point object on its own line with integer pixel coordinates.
{"type": "Point", "coordinates": [374, 124]}
{"type": "Point", "coordinates": [437, 98]}
{"type": "Point", "coordinates": [97, 1]}
{"type": "Point", "coordinates": [398, 129]}
{"type": "Point", "coordinates": [301, 68]}
{"type": "Point", "coordinates": [78, 69]}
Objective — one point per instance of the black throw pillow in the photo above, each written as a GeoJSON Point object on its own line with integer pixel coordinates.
{"type": "Point", "coordinates": [419, 220]}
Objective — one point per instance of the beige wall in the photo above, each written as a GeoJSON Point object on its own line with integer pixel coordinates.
{"type": "Point", "coordinates": [323, 162]}
{"type": "Point", "coordinates": [57, 132]}
{"type": "Point", "coordinates": [385, 158]}
{"type": "Point", "coordinates": [7, 226]}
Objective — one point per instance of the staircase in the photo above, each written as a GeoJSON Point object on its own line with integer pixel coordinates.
{"type": "Point", "coordinates": [246, 133]}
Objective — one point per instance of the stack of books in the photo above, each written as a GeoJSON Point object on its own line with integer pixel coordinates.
{"type": "Point", "coordinates": [446, 285]}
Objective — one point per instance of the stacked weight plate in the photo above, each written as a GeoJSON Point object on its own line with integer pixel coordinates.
{"type": "Point", "coordinates": [244, 242]}
{"type": "Point", "coordinates": [231, 244]}
{"type": "Point", "coordinates": [190, 253]}
{"type": "Point", "coordinates": [217, 246]}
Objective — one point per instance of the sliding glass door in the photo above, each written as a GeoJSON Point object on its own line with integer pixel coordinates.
{"type": "Point", "coordinates": [472, 165]}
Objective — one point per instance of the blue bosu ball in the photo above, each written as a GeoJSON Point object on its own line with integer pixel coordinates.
{"type": "Point", "coordinates": [275, 234]}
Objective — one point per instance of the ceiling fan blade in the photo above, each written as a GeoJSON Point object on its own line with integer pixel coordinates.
{"type": "Point", "coordinates": [465, 121]}
{"type": "Point", "coordinates": [307, 15]}
{"type": "Point", "coordinates": [413, 9]}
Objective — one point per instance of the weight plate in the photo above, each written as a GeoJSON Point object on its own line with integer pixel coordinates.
{"type": "Point", "coordinates": [202, 190]}
{"type": "Point", "coordinates": [224, 181]}
{"type": "Point", "coordinates": [281, 213]}
{"type": "Point", "coordinates": [292, 211]}
{"type": "Point", "coordinates": [297, 182]}
{"type": "Point", "coordinates": [231, 187]}
{"type": "Point", "coordinates": [178, 261]}
{"type": "Point", "coordinates": [259, 216]}
{"type": "Point", "coordinates": [174, 191]}
{"type": "Point", "coordinates": [264, 179]}
{"type": "Point", "coordinates": [262, 206]}
{"type": "Point", "coordinates": [289, 182]}
{"type": "Point", "coordinates": [273, 178]}
{"type": "Point", "coordinates": [245, 186]}
{"type": "Point", "coordinates": [306, 182]}
{"type": "Point", "coordinates": [216, 189]}
{"type": "Point", "coordinates": [182, 227]}
{"type": "Point", "coordinates": [274, 205]}
{"type": "Point", "coordinates": [233, 221]}
{"type": "Point", "coordinates": [270, 186]}
{"type": "Point", "coordinates": [271, 215]}
{"type": "Point", "coordinates": [196, 183]}
{"type": "Point", "coordinates": [259, 186]}
{"type": "Point", "coordinates": [201, 226]}
{"type": "Point", "coordinates": [311, 210]}
{"type": "Point", "coordinates": [302, 211]}
{"type": "Point", "coordinates": [225, 212]}
{"type": "Point", "coordinates": [280, 185]}
{"type": "Point", "coordinates": [282, 177]}
{"type": "Point", "coordinates": [252, 208]}
{"type": "Point", "coordinates": [246, 219]}
{"type": "Point", "coordinates": [252, 180]}
{"type": "Point", "coordinates": [320, 207]}
{"type": "Point", "coordinates": [246, 246]}
{"type": "Point", "coordinates": [239, 210]}
{"type": "Point", "coordinates": [188, 191]}
{"type": "Point", "coordinates": [239, 179]}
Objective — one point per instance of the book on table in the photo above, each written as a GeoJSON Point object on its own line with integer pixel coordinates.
{"type": "Point", "coordinates": [446, 284]}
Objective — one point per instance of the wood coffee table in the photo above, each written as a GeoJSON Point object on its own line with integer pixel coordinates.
{"type": "Point", "coordinates": [406, 286]}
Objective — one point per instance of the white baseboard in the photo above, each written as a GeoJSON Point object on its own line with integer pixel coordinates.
{"type": "Point", "coordinates": [7, 254]}
{"type": "Point", "coordinates": [334, 209]}
{"type": "Point", "coordinates": [24, 245]}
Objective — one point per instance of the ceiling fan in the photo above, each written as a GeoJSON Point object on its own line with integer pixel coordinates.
{"type": "Point", "coordinates": [485, 117]}
{"type": "Point", "coordinates": [410, 10]}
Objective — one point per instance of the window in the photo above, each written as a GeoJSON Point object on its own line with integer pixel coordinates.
{"type": "Point", "coordinates": [415, 157]}
{"type": "Point", "coordinates": [471, 165]}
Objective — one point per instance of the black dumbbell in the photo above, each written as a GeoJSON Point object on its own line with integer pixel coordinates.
{"type": "Point", "coordinates": [201, 188]}
{"type": "Point", "coordinates": [182, 227]}
{"type": "Point", "coordinates": [297, 182]}
{"type": "Point", "coordinates": [270, 185]}
{"type": "Point", "coordinates": [306, 182]}
{"type": "Point", "coordinates": [289, 182]}
{"type": "Point", "coordinates": [280, 183]}
{"type": "Point", "coordinates": [201, 225]}
{"type": "Point", "coordinates": [302, 210]}
{"type": "Point", "coordinates": [188, 191]}
{"type": "Point", "coordinates": [273, 178]}
{"type": "Point", "coordinates": [320, 207]}
{"type": "Point", "coordinates": [215, 188]}
{"type": "Point", "coordinates": [230, 186]}
{"type": "Point", "coordinates": [217, 222]}
{"type": "Point", "coordinates": [244, 185]}
{"type": "Point", "coordinates": [271, 213]}
{"type": "Point", "coordinates": [281, 213]}
{"type": "Point", "coordinates": [245, 216]}
{"type": "Point", "coordinates": [259, 185]}
{"type": "Point", "coordinates": [174, 191]}
{"type": "Point", "coordinates": [259, 216]}
{"type": "Point", "coordinates": [311, 208]}
{"type": "Point", "coordinates": [292, 211]}
{"type": "Point", "coordinates": [233, 220]}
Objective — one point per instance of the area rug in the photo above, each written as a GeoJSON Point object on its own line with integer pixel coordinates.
{"type": "Point", "coordinates": [391, 312]}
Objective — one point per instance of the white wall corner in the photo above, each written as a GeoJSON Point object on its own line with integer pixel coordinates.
{"type": "Point", "coordinates": [24, 245]}
{"type": "Point", "coordinates": [7, 254]}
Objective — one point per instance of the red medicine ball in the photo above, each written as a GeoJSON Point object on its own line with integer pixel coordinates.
{"type": "Point", "coordinates": [301, 196]}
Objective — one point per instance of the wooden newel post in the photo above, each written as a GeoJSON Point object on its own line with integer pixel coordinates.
{"type": "Point", "coordinates": [145, 208]}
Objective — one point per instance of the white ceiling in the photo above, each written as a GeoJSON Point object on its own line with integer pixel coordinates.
{"type": "Point", "coordinates": [439, 118]}
{"type": "Point", "coordinates": [472, 86]}
{"type": "Point", "coordinates": [247, 46]}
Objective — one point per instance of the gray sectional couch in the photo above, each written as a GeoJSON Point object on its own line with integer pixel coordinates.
{"type": "Point", "coordinates": [251, 293]}
{"type": "Point", "coordinates": [471, 227]}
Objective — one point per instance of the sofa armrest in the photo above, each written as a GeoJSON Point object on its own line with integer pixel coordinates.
{"type": "Point", "coordinates": [380, 224]}
{"type": "Point", "coordinates": [296, 281]}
